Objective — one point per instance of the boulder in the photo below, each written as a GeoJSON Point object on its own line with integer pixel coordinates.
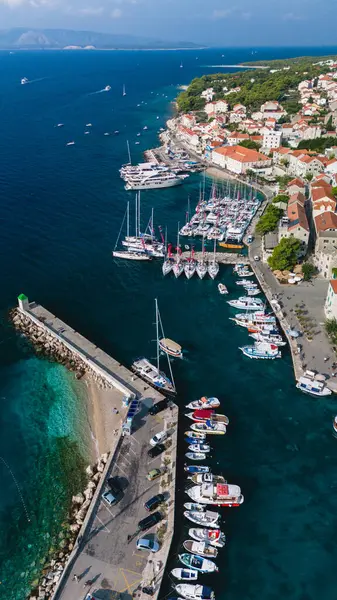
{"type": "Point", "coordinates": [97, 477]}
{"type": "Point", "coordinates": [89, 494]}
{"type": "Point", "coordinates": [75, 527]}
{"type": "Point", "coordinates": [104, 458]}
{"type": "Point", "coordinates": [91, 485]}
{"type": "Point", "coordinates": [89, 471]}
{"type": "Point", "coordinates": [78, 499]}
{"type": "Point", "coordinates": [100, 467]}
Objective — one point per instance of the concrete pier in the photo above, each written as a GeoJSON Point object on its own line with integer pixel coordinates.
{"type": "Point", "coordinates": [224, 258]}
{"type": "Point", "coordinates": [102, 550]}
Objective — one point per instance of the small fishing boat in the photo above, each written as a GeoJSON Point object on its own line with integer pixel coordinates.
{"type": "Point", "coordinates": [219, 494]}
{"type": "Point", "coordinates": [215, 537]}
{"type": "Point", "coordinates": [207, 478]}
{"type": "Point", "coordinates": [185, 574]}
{"type": "Point", "coordinates": [334, 426]}
{"type": "Point", "coordinates": [196, 435]}
{"type": "Point", "coordinates": [222, 288]}
{"type": "Point", "coordinates": [204, 402]}
{"type": "Point", "coordinates": [246, 303]}
{"type": "Point", "coordinates": [196, 469]}
{"type": "Point", "coordinates": [199, 448]}
{"type": "Point", "coordinates": [195, 455]}
{"type": "Point", "coordinates": [198, 563]}
{"type": "Point", "coordinates": [70, 143]}
{"type": "Point", "coordinates": [261, 350]}
{"type": "Point", "coordinates": [206, 518]}
{"type": "Point", "coordinates": [200, 548]}
{"type": "Point", "coordinates": [170, 347]}
{"type": "Point", "coordinates": [195, 592]}
{"type": "Point", "coordinates": [310, 383]}
{"type": "Point", "coordinates": [210, 428]}
{"type": "Point", "coordinates": [205, 414]}
{"type": "Point", "coordinates": [194, 507]}
{"type": "Point", "coordinates": [269, 337]}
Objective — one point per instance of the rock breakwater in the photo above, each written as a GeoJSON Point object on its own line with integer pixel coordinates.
{"type": "Point", "coordinates": [68, 538]}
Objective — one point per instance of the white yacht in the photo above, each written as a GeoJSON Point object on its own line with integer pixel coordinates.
{"type": "Point", "coordinates": [185, 574]}
{"type": "Point", "coordinates": [129, 255]}
{"type": "Point", "coordinates": [197, 563]}
{"type": "Point", "coordinates": [70, 143]}
{"type": "Point", "coordinates": [178, 268]}
{"type": "Point", "coordinates": [246, 303]}
{"type": "Point", "coordinates": [209, 427]}
{"type": "Point", "coordinates": [222, 288]}
{"type": "Point", "coordinates": [204, 402]}
{"type": "Point", "coordinates": [219, 494]}
{"type": "Point", "coordinates": [213, 269]}
{"type": "Point", "coordinates": [269, 337]}
{"type": "Point", "coordinates": [152, 375]}
{"type": "Point", "coordinates": [261, 350]}
{"type": "Point", "coordinates": [153, 180]}
{"type": "Point", "coordinates": [24, 80]}
{"type": "Point", "coordinates": [215, 537]}
{"type": "Point", "coordinates": [167, 266]}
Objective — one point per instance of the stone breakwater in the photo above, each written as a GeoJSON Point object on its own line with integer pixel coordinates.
{"type": "Point", "coordinates": [46, 344]}
{"type": "Point", "coordinates": [69, 538]}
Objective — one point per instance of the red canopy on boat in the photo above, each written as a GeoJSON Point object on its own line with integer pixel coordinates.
{"type": "Point", "coordinates": [203, 414]}
{"type": "Point", "coordinates": [222, 489]}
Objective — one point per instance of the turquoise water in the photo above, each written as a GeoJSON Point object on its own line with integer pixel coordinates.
{"type": "Point", "coordinates": [61, 211]}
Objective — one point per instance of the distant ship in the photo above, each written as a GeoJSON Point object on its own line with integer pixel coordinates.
{"type": "Point", "coordinates": [124, 92]}
{"type": "Point", "coordinates": [24, 80]}
{"type": "Point", "coordinates": [107, 88]}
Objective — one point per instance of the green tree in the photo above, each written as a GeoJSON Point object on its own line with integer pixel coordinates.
{"type": "Point", "coordinates": [269, 220]}
{"type": "Point", "coordinates": [285, 254]}
{"type": "Point", "coordinates": [334, 190]}
{"type": "Point", "coordinates": [309, 176]}
{"type": "Point", "coordinates": [284, 162]}
{"type": "Point", "coordinates": [308, 270]}
{"type": "Point", "coordinates": [318, 144]}
{"type": "Point", "coordinates": [329, 125]}
{"type": "Point", "coordinates": [250, 144]}
{"type": "Point", "coordinates": [331, 329]}
{"type": "Point", "coordinates": [281, 198]}
{"type": "Point", "coordinates": [283, 180]}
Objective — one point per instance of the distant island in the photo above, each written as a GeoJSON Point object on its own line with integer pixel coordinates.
{"type": "Point", "coordinates": [38, 39]}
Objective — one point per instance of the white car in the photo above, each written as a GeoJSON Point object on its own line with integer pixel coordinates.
{"type": "Point", "coordinates": [159, 438]}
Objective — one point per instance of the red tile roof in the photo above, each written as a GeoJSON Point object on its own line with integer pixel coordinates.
{"type": "Point", "coordinates": [241, 154]}
{"type": "Point", "coordinates": [297, 197]}
{"type": "Point", "coordinates": [297, 216]}
{"type": "Point", "coordinates": [297, 181]}
{"type": "Point", "coordinates": [325, 221]}
{"type": "Point", "coordinates": [333, 283]}
{"type": "Point", "coordinates": [322, 192]}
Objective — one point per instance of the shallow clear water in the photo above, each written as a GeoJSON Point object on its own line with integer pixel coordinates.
{"type": "Point", "coordinates": [61, 210]}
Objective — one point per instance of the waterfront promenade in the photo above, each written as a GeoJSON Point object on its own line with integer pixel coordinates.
{"type": "Point", "coordinates": [105, 549]}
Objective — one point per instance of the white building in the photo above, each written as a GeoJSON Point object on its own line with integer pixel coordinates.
{"type": "Point", "coordinates": [271, 138]}
{"type": "Point", "coordinates": [330, 307]}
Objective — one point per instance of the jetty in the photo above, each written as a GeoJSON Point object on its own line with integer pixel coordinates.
{"type": "Point", "coordinates": [104, 549]}
{"type": "Point", "coordinates": [224, 258]}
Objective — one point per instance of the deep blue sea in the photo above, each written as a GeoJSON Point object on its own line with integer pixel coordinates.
{"type": "Point", "coordinates": [61, 209]}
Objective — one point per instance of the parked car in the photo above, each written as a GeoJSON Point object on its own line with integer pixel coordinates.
{"type": "Point", "coordinates": [156, 451]}
{"type": "Point", "coordinates": [149, 521]}
{"type": "Point", "coordinates": [146, 543]}
{"type": "Point", "coordinates": [154, 502]}
{"type": "Point", "coordinates": [161, 405]}
{"type": "Point", "coordinates": [114, 494]}
{"type": "Point", "coordinates": [256, 258]}
{"type": "Point", "coordinates": [159, 438]}
{"type": "Point", "coordinates": [154, 473]}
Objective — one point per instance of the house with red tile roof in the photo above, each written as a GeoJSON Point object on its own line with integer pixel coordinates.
{"type": "Point", "coordinates": [239, 159]}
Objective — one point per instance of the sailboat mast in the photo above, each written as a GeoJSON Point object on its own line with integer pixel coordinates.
{"type": "Point", "coordinates": [139, 214]}
{"type": "Point", "coordinates": [152, 226]}
{"type": "Point", "coordinates": [157, 332]}
{"type": "Point", "coordinates": [128, 220]}
{"type": "Point", "coordinates": [214, 251]}
{"type": "Point", "coordinates": [128, 147]}
{"type": "Point", "coordinates": [136, 213]}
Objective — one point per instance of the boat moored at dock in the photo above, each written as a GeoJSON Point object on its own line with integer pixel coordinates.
{"type": "Point", "coordinates": [195, 592]}
{"type": "Point", "coordinates": [215, 537]}
{"type": "Point", "coordinates": [203, 549]}
{"type": "Point", "coordinates": [198, 563]}
{"type": "Point", "coordinates": [204, 403]}
{"type": "Point", "coordinates": [210, 428]}
{"type": "Point", "coordinates": [206, 518]}
{"type": "Point", "coordinates": [313, 384]}
{"type": "Point", "coordinates": [185, 574]}
{"type": "Point", "coordinates": [220, 494]}
{"type": "Point", "coordinates": [261, 350]}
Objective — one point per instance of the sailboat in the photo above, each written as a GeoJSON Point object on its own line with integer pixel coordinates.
{"type": "Point", "coordinates": [201, 264]}
{"type": "Point", "coordinates": [178, 266]}
{"type": "Point", "coordinates": [190, 265]}
{"type": "Point", "coordinates": [124, 92]}
{"type": "Point", "coordinates": [150, 373]}
{"type": "Point", "coordinates": [128, 254]}
{"type": "Point", "coordinates": [213, 267]}
{"type": "Point", "coordinates": [143, 242]}
{"type": "Point", "coordinates": [169, 260]}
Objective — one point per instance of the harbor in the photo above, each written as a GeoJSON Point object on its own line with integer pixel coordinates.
{"type": "Point", "coordinates": [120, 568]}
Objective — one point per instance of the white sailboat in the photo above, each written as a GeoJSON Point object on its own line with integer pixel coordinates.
{"type": "Point", "coordinates": [150, 373]}
{"type": "Point", "coordinates": [124, 91]}
{"type": "Point", "coordinates": [190, 265]}
{"type": "Point", "coordinates": [128, 254]}
{"type": "Point", "coordinates": [201, 264]}
{"type": "Point", "coordinates": [178, 267]}
{"type": "Point", "coordinates": [213, 267]}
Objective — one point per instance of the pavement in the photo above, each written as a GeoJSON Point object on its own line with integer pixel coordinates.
{"type": "Point", "coordinates": [108, 553]}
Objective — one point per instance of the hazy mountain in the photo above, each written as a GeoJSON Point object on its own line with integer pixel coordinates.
{"type": "Point", "coordinates": [61, 38]}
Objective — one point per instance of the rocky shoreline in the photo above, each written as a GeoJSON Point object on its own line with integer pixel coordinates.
{"type": "Point", "coordinates": [48, 345]}
{"type": "Point", "coordinates": [57, 560]}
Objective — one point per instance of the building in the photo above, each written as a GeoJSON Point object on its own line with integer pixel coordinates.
{"type": "Point", "coordinates": [296, 185]}
{"type": "Point", "coordinates": [330, 307]}
{"type": "Point", "coordinates": [271, 109]}
{"type": "Point", "coordinates": [233, 139]}
{"type": "Point", "coordinates": [208, 94]}
{"type": "Point", "coordinates": [331, 166]}
{"type": "Point", "coordinates": [188, 120]}
{"type": "Point", "coordinates": [271, 138]}
{"type": "Point", "coordinates": [325, 255]}
{"type": "Point", "coordinates": [238, 159]}
{"type": "Point", "coordinates": [295, 224]}
{"type": "Point", "coordinates": [215, 108]}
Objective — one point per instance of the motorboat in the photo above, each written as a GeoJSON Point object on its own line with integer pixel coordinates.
{"type": "Point", "coordinates": [151, 374]}
{"type": "Point", "coordinates": [195, 435]}
{"type": "Point", "coordinates": [245, 273]}
{"type": "Point", "coordinates": [311, 384]}
{"type": "Point", "coordinates": [269, 337]}
{"type": "Point", "coordinates": [222, 288]}
{"type": "Point", "coordinates": [189, 268]}
{"type": "Point", "coordinates": [210, 428]}
{"type": "Point", "coordinates": [194, 507]}
{"type": "Point", "coordinates": [198, 563]}
{"type": "Point", "coordinates": [196, 469]}
{"type": "Point", "coordinates": [170, 347]}
{"type": "Point", "coordinates": [130, 255]}
{"type": "Point", "coordinates": [178, 268]}
{"type": "Point", "coordinates": [195, 592]}
{"type": "Point", "coordinates": [204, 402]}
{"type": "Point", "coordinates": [185, 574]}
{"type": "Point", "coordinates": [24, 80]}
{"type": "Point", "coordinates": [253, 291]}
{"type": "Point", "coordinates": [215, 537]}
{"type": "Point", "coordinates": [246, 303]}
{"type": "Point", "coordinates": [199, 448]}
{"type": "Point", "coordinates": [206, 518]}
{"type": "Point", "coordinates": [245, 282]}
{"type": "Point", "coordinates": [205, 414]}
{"type": "Point", "coordinates": [201, 269]}
{"type": "Point", "coordinates": [213, 269]}
{"type": "Point", "coordinates": [201, 548]}
{"type": "Point", "coordinates": [70, 143]}
{"type": "Point", "coordinates": [206, 478]}
{"type": "Point", "coordinates": [107, 88]}
{"type": "Point", "coordinates": [334, 426]}
{"type": "Point", "coordinates": [219, 494]}
{"type": "Point", "coordinates": [255, 318]}
{"type": "Point", "coordinates": [261, 350]}
{"type": "Point", "coordinates": [196, 455]}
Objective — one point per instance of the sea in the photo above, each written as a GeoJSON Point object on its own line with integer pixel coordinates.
{"type": "Point", "coordinates": [61, 211]}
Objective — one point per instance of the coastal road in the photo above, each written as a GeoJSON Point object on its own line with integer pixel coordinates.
{"type": "Point", "coordinates": [108, 553]}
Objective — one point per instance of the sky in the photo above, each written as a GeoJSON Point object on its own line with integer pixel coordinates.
{"type": "Point", "coordinates": [211, 22]}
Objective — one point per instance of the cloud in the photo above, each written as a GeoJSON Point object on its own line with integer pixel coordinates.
{"type": "Point", "coordinates": [221, 13]}
{"type": "Point", "coordinates": [34, 3]}
{"type": "Point", "coordinates": [290, 16]}
{"type": "Point", "coordinates": [91, 11]}
{"type": "Point", "coordinates": [116, 13]}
